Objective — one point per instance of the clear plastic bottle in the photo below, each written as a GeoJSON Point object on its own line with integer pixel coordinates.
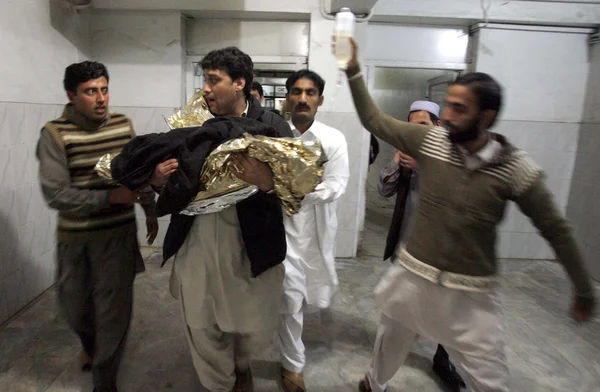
{"type": "Point", "coordinates": [343, 31]}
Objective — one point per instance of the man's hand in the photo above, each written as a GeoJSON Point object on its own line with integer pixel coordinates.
{"type": "Point", "coordinates": [405, 160]}
{"type": "Point", "coordinates": [162, 171]}
{"type": "Point", "coordinates": [582, 308]}
{"type": "Point", "coordinates": [123, 195]}
{"type": "Point", "coordinates": [151, 229]}
{"type": "Point", "coordinates": [353, 63]}
{"type": "Point", "coordinates": [252, 171]}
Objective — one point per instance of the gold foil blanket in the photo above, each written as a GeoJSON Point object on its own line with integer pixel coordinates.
{"type": "Point", "coordinates": [297, 167]}
{"type": "Point", "coordinates": [193, 114]}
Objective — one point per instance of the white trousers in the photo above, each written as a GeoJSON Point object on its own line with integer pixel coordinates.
{"type": "Point", "coordinates": [469, 325]}
{"type": "Point", "coordinates": [291, 347]}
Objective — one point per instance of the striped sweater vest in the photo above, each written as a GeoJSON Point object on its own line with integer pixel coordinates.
{"type": "Point", "coordinates": [83, 149]}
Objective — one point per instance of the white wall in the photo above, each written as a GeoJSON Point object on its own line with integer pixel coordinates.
{"type": "Point", "coordinates": [338, 111]}
{"type": "Point", "coordinates": [583, 208]}
{"type": "Point", "coordinates": [256, 38]}
{"type": "Point", "coordinates": [417, 46]}
{"type": "Point", "coordinates": [539, 12]}
{"type": "Point", "coordinates": [232, 6]}
{"type": "Point", "coordinates": [34, 56]}
{"type": "Point", "coordinates": [142, 51]}
{"type": "Point", "coordinates": [544, 74]}
{"type": "Point", "coordinates": [399, 11]}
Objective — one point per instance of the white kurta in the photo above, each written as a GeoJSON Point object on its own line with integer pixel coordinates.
{"type": "Point", "coordinates": [310, 261]}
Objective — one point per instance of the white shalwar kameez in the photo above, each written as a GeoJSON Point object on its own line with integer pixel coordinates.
{"type": "Point", "coordinates": [310, 276]}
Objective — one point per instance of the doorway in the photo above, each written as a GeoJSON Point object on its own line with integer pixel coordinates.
{"type": "Point", "coordinates": [393, 90]}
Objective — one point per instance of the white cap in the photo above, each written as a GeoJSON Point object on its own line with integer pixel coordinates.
{"type": "Point", "coordinates": [428, 106]}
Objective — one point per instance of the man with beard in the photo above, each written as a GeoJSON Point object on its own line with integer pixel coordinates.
{"type": "Point", "coordinates": [230, 315]}
{"type": "Point", "coordinates": [310, 275]}
{"type": "Point", "coordinates": [401, 178]}
{"type": "Point", "coordinates": [443, 282]}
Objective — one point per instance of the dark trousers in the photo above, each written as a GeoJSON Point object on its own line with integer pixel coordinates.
{"type": "Point", "coordinates": [95, 293]}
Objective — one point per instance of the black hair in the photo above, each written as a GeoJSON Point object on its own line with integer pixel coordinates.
{"type": "Point", "coordinates": [256, 86]}
{"type": "Point", "coordinates": [233, 62]}
{"type": "Point", "coordinates": [78, 73]}
{"type": "Point", "coordinates": [305, 73]}
{"type": "Point", "coordinates": [433, 117]}
{"type": "Point", "coordinates": [487, 91]}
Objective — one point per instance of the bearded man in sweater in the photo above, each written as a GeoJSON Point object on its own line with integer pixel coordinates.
{"type": "Point", "coordinates": [443, 282]}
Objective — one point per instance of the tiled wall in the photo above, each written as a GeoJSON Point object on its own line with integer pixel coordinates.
{"type": "Point", "coordinates": [584, 200]}
{"type": "Point", "coordinates": [544, 98]}
{"type": "Point", "coordinates": [38, 39]}
{"type": "Point", "coordinates": [142, 51]}
{"type": "Point", "coordinates": [350, 204]}
{"type": "Point", "coordinates": [338, 111]}
{"type": "Point", "coordinates": [27, 225]}
{"type": "Point", "coordinates": [553, 146]}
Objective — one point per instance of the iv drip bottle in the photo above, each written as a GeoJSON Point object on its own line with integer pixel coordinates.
{"type": "Point", "coordinates": [343, 31]}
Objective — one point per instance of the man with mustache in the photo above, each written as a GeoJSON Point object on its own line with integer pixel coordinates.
{"type": "Point", "coordinates": [400, 178]}
{"type": "Point", "coordinates": [443, 282]}
{"type": "Point", "coordinates": [310, 276]}
{"type": "Point", "coordinates": [230, 315]}
{"type": "Point", "coordinates": [97, 246]}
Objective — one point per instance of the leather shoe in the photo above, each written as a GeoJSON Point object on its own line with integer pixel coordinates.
{"type": "Point", "coordinates": [292, 382]}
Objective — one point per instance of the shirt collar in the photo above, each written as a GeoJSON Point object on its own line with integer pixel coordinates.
{"type": "Point", "coordinates": [297, 132]}
{"type": "Point", "coordinates": [245, 112]}
{"type": "Point", "coordinates": [487, 154]}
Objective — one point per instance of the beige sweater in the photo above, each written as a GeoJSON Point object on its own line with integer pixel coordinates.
{"type": "Point", "coordinates": [453, 239]}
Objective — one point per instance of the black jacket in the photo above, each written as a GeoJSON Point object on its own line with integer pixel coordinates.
{"type": "Point", "coordinates": [260, 216]}
{"type": "Point", "coordinates": [134, 166]}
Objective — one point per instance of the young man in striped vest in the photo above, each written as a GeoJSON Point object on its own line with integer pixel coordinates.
{"type": "Point", "coordinates": [97, 250]}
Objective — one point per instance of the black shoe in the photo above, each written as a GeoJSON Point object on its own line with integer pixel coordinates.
{"type": "Point", "coordinates": [446, 371]}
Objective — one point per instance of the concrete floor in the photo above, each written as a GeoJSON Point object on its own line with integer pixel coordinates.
{"type": "Point", "coordinates": [546, 350]}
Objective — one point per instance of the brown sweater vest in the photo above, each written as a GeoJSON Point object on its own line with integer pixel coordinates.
{"type": "Point", "coordinates": [83, 149]}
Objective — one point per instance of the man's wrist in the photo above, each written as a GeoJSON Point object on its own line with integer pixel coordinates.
{"type": "Point", "coordinates": [267, 188]}
{"type": "Point", "coordinates": [352, 70]}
